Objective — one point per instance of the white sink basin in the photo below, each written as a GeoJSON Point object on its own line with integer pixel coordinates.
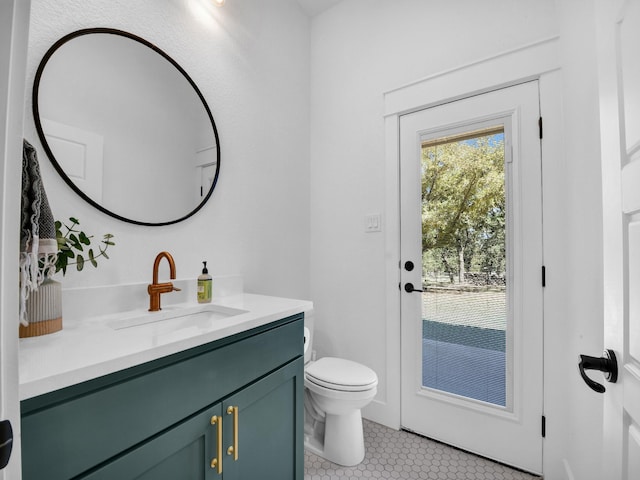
{"type": "Point", "coordinates": [175, 317]}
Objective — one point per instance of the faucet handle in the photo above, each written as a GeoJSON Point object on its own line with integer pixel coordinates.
{"type": "Point", "coordinates": [176, 289]}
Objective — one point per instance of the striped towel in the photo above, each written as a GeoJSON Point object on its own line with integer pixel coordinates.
{"type": "Point", "coordinates": [38, 245]}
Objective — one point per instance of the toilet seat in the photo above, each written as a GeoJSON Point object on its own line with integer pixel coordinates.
{"type": "Point", "coordinates": [341, 375]}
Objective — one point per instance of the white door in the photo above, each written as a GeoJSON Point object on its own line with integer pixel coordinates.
{"type": "Point", "coordinates": [471, 262]}
{"type": "Point", "coordinates": [14, 20]}
{"type": "Point", "coordinates": [619, 83]}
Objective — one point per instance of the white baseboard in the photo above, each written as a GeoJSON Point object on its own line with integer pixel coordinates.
{"type": "Point", "coordinates": [380, 412]}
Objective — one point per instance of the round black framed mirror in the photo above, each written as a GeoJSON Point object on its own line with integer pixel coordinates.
{"type": "Point", "coordinates": [126, 127]}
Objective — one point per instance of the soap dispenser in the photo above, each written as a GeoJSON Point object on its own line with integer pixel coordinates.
{"type": "Point", "coordinates": [204, 285]}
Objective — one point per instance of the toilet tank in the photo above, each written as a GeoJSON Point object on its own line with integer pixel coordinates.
{"type": "Point", "coordinates": [308, 336]}
{"type": "Point", "coordinates": [307, 345]}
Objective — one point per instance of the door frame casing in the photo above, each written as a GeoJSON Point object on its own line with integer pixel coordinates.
{"type": "Point", "coordinates": [537, 61]}
{"type": "Point", "coordinates": [14, 23]}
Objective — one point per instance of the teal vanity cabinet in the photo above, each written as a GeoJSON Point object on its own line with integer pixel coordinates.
{"type": "Point", "coordinates": [231, 409]}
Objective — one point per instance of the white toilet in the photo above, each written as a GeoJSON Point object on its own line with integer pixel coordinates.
{"type": "Point", "coordinates": [335, 391]}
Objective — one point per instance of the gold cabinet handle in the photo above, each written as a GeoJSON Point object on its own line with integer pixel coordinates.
{"type": "Point", "coordinates": [217, 462]}
{"type": "Point", "coordinates": [233, 449]}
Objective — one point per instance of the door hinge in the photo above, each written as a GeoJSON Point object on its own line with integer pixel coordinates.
{"type": "Point", "coordinates": [540, 126]}
{"type": "Point", "coordinates": [544, 276]}
{"type": "Point", "coordinates": [544, 426]}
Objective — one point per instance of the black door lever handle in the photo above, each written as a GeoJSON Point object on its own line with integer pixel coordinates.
{"type": "Point", "coordinates": [408, 287]}
{"type": "Point", "coordinates": [6, 442]}
{"type": "Point", "coordinates": [606, 364]}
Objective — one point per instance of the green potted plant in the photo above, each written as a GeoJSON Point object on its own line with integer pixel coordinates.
{"type": "Point", "coordinates": [44, 305]}
{"type": "Point", "coordinates": [72, 244]}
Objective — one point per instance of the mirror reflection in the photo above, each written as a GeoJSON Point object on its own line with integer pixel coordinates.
{"type": "Point", "coordinates": [126, 127]}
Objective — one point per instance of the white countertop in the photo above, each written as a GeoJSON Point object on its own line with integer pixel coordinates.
{"type": "Point", "coordinates": [87, 349]}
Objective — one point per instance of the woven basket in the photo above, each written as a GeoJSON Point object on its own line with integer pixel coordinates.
{"type": "Point", "coordinates": [44, 310]}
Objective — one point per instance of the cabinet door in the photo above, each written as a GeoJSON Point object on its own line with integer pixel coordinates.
{"type": "Point", "coordinates": [263, 424]}
{"type": "Point", "coordinates": [184, 452]}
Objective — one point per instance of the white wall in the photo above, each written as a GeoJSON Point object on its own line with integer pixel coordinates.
{"type": "Point", "coordinates": [363, 48]}
{"type": "Point", "coordinates": [584, 270]}
{"type": "Point", "coordinates": [250, 59]}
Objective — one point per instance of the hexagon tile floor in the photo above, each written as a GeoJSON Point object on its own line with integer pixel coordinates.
{"type": "Point", "coordinates": [398, 454]}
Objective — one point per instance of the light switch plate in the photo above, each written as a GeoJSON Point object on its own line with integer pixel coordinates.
{"type": "Point", "coordinates": [373, 223]}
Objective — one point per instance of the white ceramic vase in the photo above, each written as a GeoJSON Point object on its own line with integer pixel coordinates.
{"type": "Point", "coordinates": [44, 310]}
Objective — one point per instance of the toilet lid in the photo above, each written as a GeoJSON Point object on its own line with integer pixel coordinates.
{"type": "Point", "coordinates": [341, 374]}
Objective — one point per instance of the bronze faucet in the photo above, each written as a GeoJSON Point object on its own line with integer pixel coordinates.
{"type": "Point", "coordinates": [155, 289]}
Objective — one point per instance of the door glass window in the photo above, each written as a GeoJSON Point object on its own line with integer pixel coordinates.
{"type": "Point", "coordinates": [464, 265]}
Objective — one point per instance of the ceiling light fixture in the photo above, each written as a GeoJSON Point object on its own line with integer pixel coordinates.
{"type": "Point", "coordinates": [218, 3]}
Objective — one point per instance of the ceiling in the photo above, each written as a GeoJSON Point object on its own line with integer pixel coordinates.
{"type": "Point", "coordinates": [314, 7]}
